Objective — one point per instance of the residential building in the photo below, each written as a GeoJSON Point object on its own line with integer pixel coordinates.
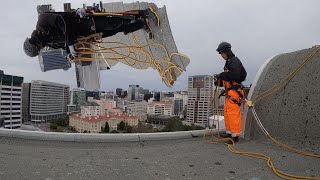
{"type": "Point", "coordinates": [160, 108]}
{"type": "Point", "coordinates": [200, 99]}
{"type": "Point", "coordinates": [11, 100]}
{"type": "Point", "coordinates": [48, 100]}
{"type": "Point", "coordinates": [94, 124]}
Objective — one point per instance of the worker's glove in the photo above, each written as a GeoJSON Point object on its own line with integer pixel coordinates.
{"type": "Point", "coordinates": [222, 93]}
{"type": "Point", "coordinates": [81, 13]}
{"type": "Point", "coordinates": [216, 77]}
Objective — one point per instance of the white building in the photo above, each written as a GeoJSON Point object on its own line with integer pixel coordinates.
{"type": "Point", "coordinates": [92, 109]}
{"type": "Point", "coordinates": [11, 100]}
{"type": "Point", "coordinates": [160, 108]}
{"type": "Point", "coordinates": [180, 102]}
{"type": "Point", "coordinates": [200, 99]}
{"type": "Point", "coordinates": [182, 95]}
{"type": "Point", "coordinates": [48, 100]}
{"type": "Point", "coordinates": [136, 107]}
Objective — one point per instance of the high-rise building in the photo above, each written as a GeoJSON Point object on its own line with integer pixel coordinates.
{"type": "Point", "coordinates": [93, 94]}
{"type": "Point", "coordinates": [77, 98]}
{"type": "Point", "coordinates": [200, 98]}
{"type": "Point", "coordinates": [11, 100]}
{"type": "Point", "coordinates": [180, 102]}
{"type": "Point", "coordinates": [135, 93]}
{"type": "Point", "coordinates": [178, 106]}
{"type": "Point", "coordinates": [123, 94]}
{"type": "Point", "coordinates": [48, 100]}
{"type": "Point", "coordinates": [26, 102]}
{"type": "Point", "coordinates": [156, 96]}
{"type": "Point", "coordinates": [118, 92]}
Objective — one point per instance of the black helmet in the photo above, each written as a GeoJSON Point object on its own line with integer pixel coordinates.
{"type": "Point", "coordinates": [223, 46]}
{"type": "Point", "coordinates": [30, 49]}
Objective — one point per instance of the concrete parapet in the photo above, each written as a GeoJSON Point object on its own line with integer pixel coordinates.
{"type": "Point", "coordinates": [80, 137]}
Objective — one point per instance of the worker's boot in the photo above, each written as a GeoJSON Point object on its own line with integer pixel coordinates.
{"type": "Point", "coordinates": [225, 135]}
{"type": "Point", "coordinates": [235, 140]}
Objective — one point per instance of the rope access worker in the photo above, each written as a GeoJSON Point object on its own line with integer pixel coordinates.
{"type": "Point", "coordinates": [232, 77]}
{"type": "Point", "coordinates": [61, 29]}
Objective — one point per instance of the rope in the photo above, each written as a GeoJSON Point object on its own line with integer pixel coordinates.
{"type": "Point", "coordinates": [166, 67]}
{"type": "Point", "coordinates": [261, 156]}
{"type": "Point", "coordinates": [282, 83]}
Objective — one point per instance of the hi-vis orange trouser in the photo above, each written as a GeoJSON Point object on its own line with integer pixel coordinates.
{"type": "Point", "coordinates": [232, 117]}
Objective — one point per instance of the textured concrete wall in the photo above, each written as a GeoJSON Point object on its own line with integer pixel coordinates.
{"type": "Point", "coordinates": [292, 113]}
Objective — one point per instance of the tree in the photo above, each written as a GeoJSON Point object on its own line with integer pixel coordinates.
{"type": "Point", "coordinates": [106, 128]}
{"type": "Point", "coordinates": [121, 126]}
{"type": "Point", "coordinates": [129, 129]}
{"type": "Point", "coordinates": [53, 126]}
{"type": "Point", "coordinates": [174, 125]}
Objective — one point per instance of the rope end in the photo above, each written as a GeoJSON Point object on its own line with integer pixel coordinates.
{"type": "Point", "coordinates": [249, 103]}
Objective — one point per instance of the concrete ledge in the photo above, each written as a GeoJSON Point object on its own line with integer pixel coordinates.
{"type": "Point", "coordinates": [80, 137]}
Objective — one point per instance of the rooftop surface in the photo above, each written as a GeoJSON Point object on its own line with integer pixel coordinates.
{"type": "Point", "coordinates": [176, 159]}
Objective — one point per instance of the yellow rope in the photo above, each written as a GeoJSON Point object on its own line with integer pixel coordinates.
{"type": "Point", "coordinates": [282, 83]}
{"type": "Point", "coordinates": [100, 48]}
{"type": "Point", "coordinates": [279, 173]}
{"type": "Point", "coordinates": [156, 14]}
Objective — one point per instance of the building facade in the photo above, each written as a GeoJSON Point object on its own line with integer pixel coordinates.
{"type": "Point", "coordinates": [26, 102]}
{"type": "Point", "coordinates": [92, 109]}
{"type": "Point", "coordinates": [160, 108]}
{"type": "Point", "coordinates": [200, 99]}
{"type": "Point", "coordinates": [11, 100]}
{"type": "Point", "coordinates": [48, 100]}
{"type": "Point", "coordinates": [136, 93]}
{"type": "Point", "coordinates": [77, 99]}
{"type": "Point", "coordinates": [136, 107]}
{"type": "Point", "coordinates": [94, 124]}
{"type": "Point", "coordinates": [181, 101]}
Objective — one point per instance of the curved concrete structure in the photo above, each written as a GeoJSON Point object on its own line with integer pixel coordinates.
{"type": "Point", "coordinates": [292, 113]}
{"type": "Point", "coordinates": [80, 137]}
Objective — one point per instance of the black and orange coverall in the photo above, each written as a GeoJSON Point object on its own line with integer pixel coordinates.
{"type": "Point", "coordinates": [234, 73]}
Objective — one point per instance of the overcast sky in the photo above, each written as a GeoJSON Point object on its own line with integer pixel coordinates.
{"type": "Point", "coordinates": [257, 31]}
